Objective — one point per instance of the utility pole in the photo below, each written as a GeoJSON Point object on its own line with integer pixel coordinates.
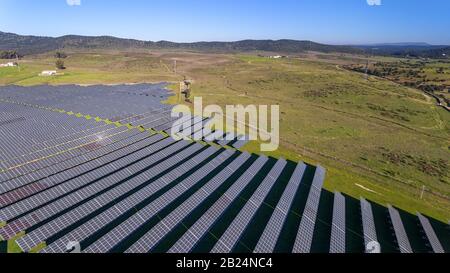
{"type": "Point", "coordinates": [366, 75]}
{"type": "Point", "coordinates": [175, 66]}
{"type": "Point", "coordinates": [421, 194]}
{"type": "Point", "coordinates": [180, 91]}
{"type": "Point", "coordinates": [17, 61]}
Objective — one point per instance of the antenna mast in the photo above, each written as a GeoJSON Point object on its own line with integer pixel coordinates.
{"type": "Point", "coordinates": [17, 61]}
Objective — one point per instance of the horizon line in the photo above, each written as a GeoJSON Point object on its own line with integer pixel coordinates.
{"type": "Point", "coordinates": [233, 41]}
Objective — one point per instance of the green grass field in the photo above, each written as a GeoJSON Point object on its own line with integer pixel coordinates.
{"type": "Point", "coordinates": [376, 139]}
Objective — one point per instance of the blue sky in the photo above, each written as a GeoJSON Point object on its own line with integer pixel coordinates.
{"type": "Point", "coordinates": [326, 21]}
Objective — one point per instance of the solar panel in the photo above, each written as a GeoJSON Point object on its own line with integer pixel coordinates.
{"type": "Point", "coordinates": [202, 225]}
{"type": "Point", "coordinates": [370, 233]}
{"type": "Point", "coordinates": [185, 123]}
{"type": "Point", "coordinates": [233, 233]}
{"type": "Point", "coordinates": [72, 137]}
{"type": "Point", "coordinates": [54, 154]}
{"type": "Point", "coordinates": [337, 240]}
{"type": "Point", "coordinates": [268, 239]}
{"type": "Point", "coordinates": [73, 216]}
{"type": "Point", "coordinates": [25, 205]}
{"type": "Point", "coordinates": [215, 135]}
{"type": "Point", "coordinates": [47, 230]}
{"type": "Point", "coordinates": [45, 129]}
{"type": "Point", "coordinates": [431, 235]}
{"type": "Point", "coordinates": [307, 223]}
{"type": "Point", "coordinates": [399, 230]}
{"type": "Point", "coordinates": [188, 127]}
{"type": "Point", "coordinates": [199, 130]}
{"type": "Point", "coordinates": [158, 232]}
{"type": "Point", "coordinates": [226, 139]}
{"type": "Point", "coordinates": [75, 165]}
{"type": "Point", "coordinates": [56, 174]}
{"type": "Point", "coordinates": [101, 220]}
{"type": "Point", "coordinates": [126, 228]}
{"type": "Point", "coordinates": [241, 141]}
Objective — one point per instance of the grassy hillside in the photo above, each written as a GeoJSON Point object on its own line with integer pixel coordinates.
{"type": "Point", "coordinates": [420, 50]}
{"type": "Point", "coordinates": [89, 68]}
{"type": "Point", "coordinates": [377, 139]}
{"type": "Point", "coordinates": [430, 76]}
{"type": "Point", "coordinates": [37, 44]}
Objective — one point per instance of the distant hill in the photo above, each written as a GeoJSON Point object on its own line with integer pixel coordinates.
{"type": "Point", "coordinates": [443, 52]}
{"type": "Point", "coordinates": [406, 44]}
{"type": "Point", "coordinates": [407, 49]}
{"type": "Point", "coordinates": [37, 44]}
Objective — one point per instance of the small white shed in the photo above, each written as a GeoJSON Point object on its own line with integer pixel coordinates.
{"type": "Point", "coordinates": [48, 73]}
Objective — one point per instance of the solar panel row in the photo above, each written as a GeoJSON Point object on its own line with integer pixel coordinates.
{"type": "Point", "coordinates": [124, 140]}
{"type": "Point", "coordinates": [305, 233]}
{"type": "Point", "coordinates": [232, 235]}
{"type": "Point", "coordinates": [102, 200]}
{"type": "Point", "coordinates": [46, 158]}
{"type": "Point", "coordinates": [430, 234]}
{"type": "Point", "coordinates": [153, 236]}
{"type": "Point", "coordinates": [89, 228]}
{"type": "Point", "coordinates": [337, 240]}
{"type": "Point", "coordinates": [122, 231]}
{"type": "Point", "coordinates": [82, 187]}
{"type": "Point", "coordinates": [269, 238]}
{"type": "Point", "coordinates": [192, 236]}
{"type": "Point", "coordinates": [240, 142]}
{"type": "Point", "coordinates": [399, 230]}
{"type": "Point", "coordinates": [92, 171]}
{"type": "Point", "coordinates": [70, 178]}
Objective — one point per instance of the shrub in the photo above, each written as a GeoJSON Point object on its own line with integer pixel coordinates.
{"type": "Point", "coordinates": [60, 64]}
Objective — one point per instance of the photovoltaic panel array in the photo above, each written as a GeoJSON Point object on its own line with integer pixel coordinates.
{"type": "Point", "coordinates": [94, 165]}
{"type": "Point", "coordinates": [306, 230]}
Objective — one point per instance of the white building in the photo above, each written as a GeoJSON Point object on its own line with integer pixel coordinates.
{"type": "Point", "coordinates": [48, 73]}
{"type": "Point", "coordinates": [8, 64]}
{"type": "Point", "coordinates": [278, 57]}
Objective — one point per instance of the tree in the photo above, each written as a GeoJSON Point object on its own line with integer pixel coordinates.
{"type": "Point", "coordinates": [60, 55]}
{"type": "Point", "coordinates": [60, 64]}
{"type": "Point", "coordinates": [9, 54]}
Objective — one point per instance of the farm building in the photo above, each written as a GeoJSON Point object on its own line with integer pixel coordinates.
{"type": "Point", "coordinates": [277, 57]}
{"type": "Point", "coordinates": [48, 73]}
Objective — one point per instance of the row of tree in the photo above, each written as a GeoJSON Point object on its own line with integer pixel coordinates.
{"type": "Point", "coordinates": [12, 54]}
{"type": "Point", "coordinates": [9, 54]}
